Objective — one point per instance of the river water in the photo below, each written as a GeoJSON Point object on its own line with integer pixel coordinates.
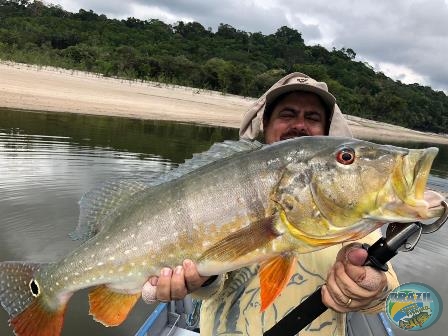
{"type": "Point", "coordinates": [49, 160]}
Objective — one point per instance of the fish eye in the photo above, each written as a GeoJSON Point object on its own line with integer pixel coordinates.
{"type": "Point", "coordinates": [345, 156]}
{"type": "Point", "coordinates": [34, 287]}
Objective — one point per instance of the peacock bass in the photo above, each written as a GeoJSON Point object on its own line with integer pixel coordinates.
{"type": "Point", "coordinates": [237, 204]}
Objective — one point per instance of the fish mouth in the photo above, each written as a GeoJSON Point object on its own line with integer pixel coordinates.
{"type": "Point", "coordinates": [409, 179]}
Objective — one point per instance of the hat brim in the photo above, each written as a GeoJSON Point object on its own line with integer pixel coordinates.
{"type": "Point", "coordinates": [327, 97]}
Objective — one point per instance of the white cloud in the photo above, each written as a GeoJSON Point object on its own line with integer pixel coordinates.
{"type": "Point", "coordinates": [152, 12]}
{"type": "Point", "coordinates": [401, 73]}
{"type": "Point", "coordinates": [406, 39]}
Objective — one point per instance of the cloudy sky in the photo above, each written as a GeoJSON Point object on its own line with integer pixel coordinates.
{"type": "Point", "coordinates": [405, 39]}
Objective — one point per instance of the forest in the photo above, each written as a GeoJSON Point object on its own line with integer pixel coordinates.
{"type": "Point", "coordinates": [227, 60]}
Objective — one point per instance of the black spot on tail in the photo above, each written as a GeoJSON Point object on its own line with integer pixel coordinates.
{"type": "Point", "coordinates": [34, 286]}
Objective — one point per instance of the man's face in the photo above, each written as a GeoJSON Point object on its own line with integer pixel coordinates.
{"type": "Point", "coordinates": [297, 114]}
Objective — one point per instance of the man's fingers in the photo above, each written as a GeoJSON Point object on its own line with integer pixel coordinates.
{"type": "Point", "coordinates": [367, 277]}
{"type": "Point", "coordinates": [178, 287]}
{"type": "Point", "coordinates": [348, 285]}
{"type": "Point", "coordinates": [153, 280]}
{"type": "Point", "coordinates": [173, 284]}
{"type": "Point", "coordinates": [193, 280]}
{"type": "Point", "coordinates": [336, 293]}
{"type": "Point", "coordinates": [164, 285]}
{"type": "Point", "coordinates": [328, 301]}
{"type": "Point", "coordinates": [353, 257]}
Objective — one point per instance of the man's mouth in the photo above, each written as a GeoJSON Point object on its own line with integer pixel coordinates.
{"type": "Point", "coordinates": [292, 135]}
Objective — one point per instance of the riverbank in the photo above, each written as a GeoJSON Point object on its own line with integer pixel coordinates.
{"type": "Point", "coordinates": [51, 89]}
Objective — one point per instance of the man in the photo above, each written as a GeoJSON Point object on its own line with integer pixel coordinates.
{"type": "Point", "coordinates": [296, 105]}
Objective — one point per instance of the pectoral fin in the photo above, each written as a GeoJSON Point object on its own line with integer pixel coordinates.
{"type": "Point", "coordinates": [242, 241]}
{"type": "Point", "coordinates": [109, 307]}
{"type": "Point", "coordinates": [274, 276]}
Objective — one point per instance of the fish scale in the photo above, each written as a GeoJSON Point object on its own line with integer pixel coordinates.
{"type": "Point", "coordinates": [237, 204]}
{"type": "Point", "coordinates": [127, 234]}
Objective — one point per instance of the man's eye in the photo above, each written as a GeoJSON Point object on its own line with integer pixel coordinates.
{"type": "Point", "coordinates": [314, 117]}
{"type": "Point", "coordinates": [286, 114]}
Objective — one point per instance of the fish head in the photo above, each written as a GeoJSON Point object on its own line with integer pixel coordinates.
{"type": "Point", "coordinates": [423, 317]}
{"type": "Point", "coordinates": [354, 187]}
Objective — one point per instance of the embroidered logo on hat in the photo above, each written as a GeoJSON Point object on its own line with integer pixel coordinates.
{"type": "Point", "coordinates": [302, 79]}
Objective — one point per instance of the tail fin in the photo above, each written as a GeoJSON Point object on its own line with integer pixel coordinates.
{"type": "Point", "coordinates": [21, 297]}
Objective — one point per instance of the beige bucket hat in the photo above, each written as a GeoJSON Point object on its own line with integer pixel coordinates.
{"type": "Point", "coordinates": [296, 81]}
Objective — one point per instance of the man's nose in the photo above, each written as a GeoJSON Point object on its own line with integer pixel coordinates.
{"type": "Point", "coordinates": [298, 123]}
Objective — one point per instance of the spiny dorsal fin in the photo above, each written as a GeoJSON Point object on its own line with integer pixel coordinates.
{"type": "Point", "coordinates": [97, 204]}
{"type": "Point", "coordinates": [216, 152]}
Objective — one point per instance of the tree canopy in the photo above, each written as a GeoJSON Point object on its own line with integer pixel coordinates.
{"type": "Point", "coordinates": [228, 60]}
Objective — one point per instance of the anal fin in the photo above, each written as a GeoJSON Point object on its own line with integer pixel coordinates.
{"type": "Point", "coordinates": [274, 275]}
{"type": "Point", "coordinates": [109, 307]}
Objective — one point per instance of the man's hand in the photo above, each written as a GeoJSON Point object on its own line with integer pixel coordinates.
{"type": "Point", "coordinates": [173, 284]}
{"type": "Point", "coordinates": [351, 286]}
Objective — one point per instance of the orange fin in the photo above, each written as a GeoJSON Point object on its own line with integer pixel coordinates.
{"type": "Point", "coordinates": [38, 321]}
{"type": "Point", "coordinates": [242, 241]}
{"type": "Point", "coordinates": [274, 276]}
{"type": "Point", "coordinates": [109, 307]}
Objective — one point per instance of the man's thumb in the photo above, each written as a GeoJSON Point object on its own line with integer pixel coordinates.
{"type": "Point", "coordinates": [149, 293]}
{"type": "Point", "coordinates": [357, 256]}
{"type": "Point", "coordinates": [366, 277]}
{"type": "Point", "coordinates": [353, 254]}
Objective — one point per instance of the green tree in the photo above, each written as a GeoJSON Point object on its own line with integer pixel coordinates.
{"type": "Point", "coordinates": [228, 60]}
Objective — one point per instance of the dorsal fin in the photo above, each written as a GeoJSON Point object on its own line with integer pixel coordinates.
{"type": "Point", "coordinates": [216, 152]}
{"type": "Point", "coordinates": [97, 204]}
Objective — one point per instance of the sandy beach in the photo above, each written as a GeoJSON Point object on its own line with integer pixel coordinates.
{"type": "Point", "coordinates": [58, 90]}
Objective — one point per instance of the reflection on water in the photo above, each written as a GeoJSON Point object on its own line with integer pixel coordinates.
{"type": "Point", "coordinates": [49, 160]}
